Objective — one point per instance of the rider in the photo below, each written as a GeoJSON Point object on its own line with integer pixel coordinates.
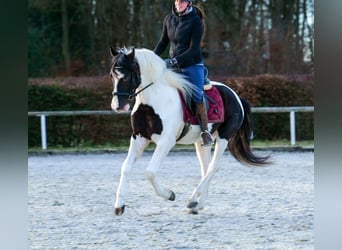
{"type": "Point", "coordinates": [184, 30]}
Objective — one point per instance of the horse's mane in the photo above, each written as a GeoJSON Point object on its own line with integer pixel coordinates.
{"type": "Point", "coordinates": [153, 69]}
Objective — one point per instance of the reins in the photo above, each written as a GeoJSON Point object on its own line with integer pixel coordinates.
{"type": "Point", "coordinates": [141, 90]}
{"type": "Point", "coordinates": [132, 95]}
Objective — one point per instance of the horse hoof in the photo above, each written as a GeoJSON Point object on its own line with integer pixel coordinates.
{"type": "Point", "coordinates": [192, 204]}
{"type": "Point", "coordinates": [119, 210]}
{"type": "Point", "coordinates": [192, 211]}
{"type": "Point", "coordinates": [172, 196]}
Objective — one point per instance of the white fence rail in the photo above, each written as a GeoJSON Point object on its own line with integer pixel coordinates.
{"type": "Point", "coordinates": [291, 110]}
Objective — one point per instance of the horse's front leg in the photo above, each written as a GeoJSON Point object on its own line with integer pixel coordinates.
{"type": "Point", "coordinates": [162, 149]}
{"type": "Point", "coordinates": [136, 148]}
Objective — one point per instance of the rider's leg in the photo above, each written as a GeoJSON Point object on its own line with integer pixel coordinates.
{"type": "Point", "coordinates": [196, 76]}
{"type": "Point", "coordinates": [202, 117]}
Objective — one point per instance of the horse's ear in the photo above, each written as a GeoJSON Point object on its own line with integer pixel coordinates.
{"type": "Point", "coordinates": [113, 52]}
{"type": "Point", "coordinates": [131, 54]}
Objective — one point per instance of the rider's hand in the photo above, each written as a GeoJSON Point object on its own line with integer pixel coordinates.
{"type": "Point", "coordinates": [171, 63]}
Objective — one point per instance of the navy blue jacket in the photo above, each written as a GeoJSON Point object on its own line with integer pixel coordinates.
{"type": "Point", "coordinates": [184, 34]}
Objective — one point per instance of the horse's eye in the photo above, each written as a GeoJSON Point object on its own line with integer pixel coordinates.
{"type": "Point", "coordinates": [123, 71]}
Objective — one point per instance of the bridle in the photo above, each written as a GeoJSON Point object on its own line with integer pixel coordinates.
{"type": "Point", "coordinates": [134, 74]}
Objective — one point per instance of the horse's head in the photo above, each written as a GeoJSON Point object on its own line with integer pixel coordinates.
{"type": "Point", "coordinates": [125, 75]}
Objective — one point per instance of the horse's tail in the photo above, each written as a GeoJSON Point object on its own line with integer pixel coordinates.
{"type": "Point", "coordinates": [239, 143]}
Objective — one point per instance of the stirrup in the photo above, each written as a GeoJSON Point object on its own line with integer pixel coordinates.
{"type": "Point", "coordinates": [207, 139]}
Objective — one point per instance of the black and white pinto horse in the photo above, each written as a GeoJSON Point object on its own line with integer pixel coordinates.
{"type": "Point", "coordinates": [157, 116]}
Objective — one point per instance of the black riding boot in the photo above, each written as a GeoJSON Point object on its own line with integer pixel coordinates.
{"type": "Point", "coordinates": [202, 117]}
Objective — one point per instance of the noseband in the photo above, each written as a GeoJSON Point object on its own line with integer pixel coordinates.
{"type": "Point", "coordinates": [135, 74]}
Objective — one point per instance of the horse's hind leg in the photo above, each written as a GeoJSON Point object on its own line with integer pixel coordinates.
{"type": "Point", "coordinates": [162, 149]}
{"type": "Point", "coordinates": [136, 148]}
{"type": "Point", "coordinates": [204, 157]}
{"type": "Point", "coordinates": [198, 196]}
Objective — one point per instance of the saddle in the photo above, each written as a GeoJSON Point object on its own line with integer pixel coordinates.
{"type": "Point", "coordinates": [214, 103]}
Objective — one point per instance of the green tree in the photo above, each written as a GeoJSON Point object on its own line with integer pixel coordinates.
{"type": "Point", "coordinates": [246, 37]}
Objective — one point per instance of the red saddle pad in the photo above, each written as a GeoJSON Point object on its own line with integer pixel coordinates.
{"type": "Point", "coordinates": [215, 110]}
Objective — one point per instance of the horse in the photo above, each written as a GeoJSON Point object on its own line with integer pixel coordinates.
{"type": "Point", "coordinates": [141, 79]}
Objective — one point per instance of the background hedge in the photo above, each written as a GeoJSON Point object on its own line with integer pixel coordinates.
{"type": "Point", "coordinates": [94, 93]}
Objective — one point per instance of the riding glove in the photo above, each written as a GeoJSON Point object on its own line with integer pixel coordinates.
{"type": "Point", "coordinates": [171, 63]}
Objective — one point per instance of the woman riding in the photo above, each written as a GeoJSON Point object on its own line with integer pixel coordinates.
{"type": "Point", "coordinates": [184, 30]}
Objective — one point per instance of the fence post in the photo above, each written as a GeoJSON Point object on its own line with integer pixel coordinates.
{"type": "Point", "coordinates": [293, 127]}
{"type": "Point", "coordinates": [43, 131]}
